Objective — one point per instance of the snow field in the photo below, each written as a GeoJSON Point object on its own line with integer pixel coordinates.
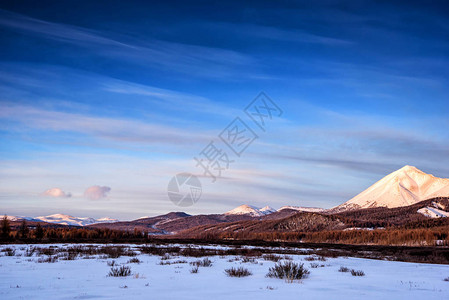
{"type": "Point", "coordinates": [23, 277]}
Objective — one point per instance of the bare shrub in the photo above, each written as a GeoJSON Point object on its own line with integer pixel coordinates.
{"type": "Point", "coordinates": [167, 262]}
{"type": "Point", "coordinates": [357, 273]}
{"type": "Point", "coordinates": [309, 258]}
{"type": "Point", "coordinates": [30, 251]}
{"type": "Point", "coordinates": [205, 262]}
{"type": "Point", "coordinates": [122, 271]}
{"type": "Point", "coordinates": [238, 272]}
{"type": "Point", "coordinates": [45, 251]}
{"type": "Point", "coordinates": [115, 251]}
{"type": "Point", "coordinates": [166, 256]}
{"type": "Point", "coordinates": [194, 270]}
{"type": "Point", "coordinates": [344, 269]}
{"type": "Point", "coordinates": [233, 259]}
{"type": "Point", "coordinates": [272, 257]}
{"type": "Point", "coordinates": [10, 252]}
{"type": "Point", "coordinates": [69, 256]}
{"type": "Point", "coordinates": [48, 259]}
{"type": "Point", "coordinates": [322, 258]}
{"type": "Point", "coordinates": [134, 260]}
{"type": "Point", "coordinates": [288, 270]}
{"type": "Point", "coordinates": [247, 259]}
{"type": "Point", "coordinates": [111, 263]}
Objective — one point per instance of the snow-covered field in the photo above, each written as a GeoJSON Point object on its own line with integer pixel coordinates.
{"type": "Point", "coordinates": [22, 277]}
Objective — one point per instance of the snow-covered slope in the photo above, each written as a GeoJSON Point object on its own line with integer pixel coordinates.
{"type": "Point", "coordinates": [13, 218]}
{"type": "Point", "coordinates": [403, 187]}
{"type": "Point", "coordinates": [305, 209]}
{"type": "Point", "coordinates": [19, 218]}
{"type": "Point", "coordinates": [251, 210]}
{"type": "Point", "coordinates": [433, 212]}
{"type": "Point", "coordinates": [259, 212]}
{"type": "Point", "coordinates": [267, 210]}
{"type": "Point", "coordinates": [70, 220]}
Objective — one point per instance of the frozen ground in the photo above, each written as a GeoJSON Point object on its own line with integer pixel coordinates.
{"type": "Point", "coordinates": [22, 277]}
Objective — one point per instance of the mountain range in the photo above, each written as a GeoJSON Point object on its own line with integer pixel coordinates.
{"type": "Point", "coordinates": [407, 191]}
{"type": "Point", "coordinates": [61, 219]}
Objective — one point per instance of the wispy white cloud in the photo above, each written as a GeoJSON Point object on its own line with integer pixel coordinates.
{"type": "Point", "coordinates": [52, 30]}
{"type": "Point", "coordinates": [24, 81]}
{"type": "Point", "coordinates": [172, 100]}
{"type": "Point", "coordinates": [275, 33]}
{"type": "Point", "coordinates": [114, 129]}
{"type": "Point", "coordinates": [196, 60]}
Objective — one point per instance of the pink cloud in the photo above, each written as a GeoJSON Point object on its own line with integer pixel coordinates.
{"type": "Point", "coordinates": [96, 192]}
{"type": "Point", "coordinates": [57, 193]}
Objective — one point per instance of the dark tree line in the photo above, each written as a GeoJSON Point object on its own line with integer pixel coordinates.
{"type": "Point", "coordinates": [68, 234]}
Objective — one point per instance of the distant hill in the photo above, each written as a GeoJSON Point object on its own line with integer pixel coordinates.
{"type": "Point", "coordinates": [294, 221]}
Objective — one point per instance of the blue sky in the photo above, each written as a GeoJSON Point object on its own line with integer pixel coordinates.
{"type": "Point", "coordinates": [124, 95]}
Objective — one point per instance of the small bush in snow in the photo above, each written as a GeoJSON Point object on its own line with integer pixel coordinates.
{"type": "Point", "coordinates": [238, 272]}
{"type": "Point", "coordinates": [309, 258]}
{"type": "Point", "coordinates": [313, 258]}
{"type": "Point", "coordinates": [68, 256]}
{"type": "Point", "coordinates": [344, 270]}
{"type": "Point", "coordinates": [179, 261]}
{"type": "Point", "coordinates": [115, 251]}
{"type": "Point", "coordinates": [194, 270]}
{"type": "Point", "coordinates": [166, 256]}
{"type": "Point", "coordinates": [289, 271]}
{"type": "Point", "coordinates": [30, 251]}
{"type": "Point", "coordinates": [357, 273]}
{"type": "Point", "coordinates": [446, 279]}
{"type": "Point", "coordinates": [10, 252]}
{"type": "Point", "coordinates": [272, 257]}
{"type": "Point", "coordinates": [120, 272]}
{"type": "Point", "coordinates": [134, 260]}
{"type": "Point", "coordinates": [322, 258]}
{"type": "Point", "coordinates": [49, 259]}
{"type": "Point", "coordinates": [205, 262]}
{"type": "Point", "coordinates": [247, 259]}
{"type": "Point", "coordinates": [111, 263]}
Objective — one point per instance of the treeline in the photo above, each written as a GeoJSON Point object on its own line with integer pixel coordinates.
{"type": "Point", "coordinates": [39, 234]}
{"type": "Point", "coordinates": [394, 217]}
{"type": "Point", "coordinates": [415, 236]}
{"type": "Point", "coordinates": [436, 236]}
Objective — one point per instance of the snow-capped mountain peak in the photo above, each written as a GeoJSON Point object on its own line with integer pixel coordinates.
{"type": "Point", "coordinates": [251, 210]}
{"type": "Point", "coordinates": [403, 187]}
{"type": "Point", "coordinates": [267, 209]}
{"type": "Point", "coordinates": [58, 216]}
